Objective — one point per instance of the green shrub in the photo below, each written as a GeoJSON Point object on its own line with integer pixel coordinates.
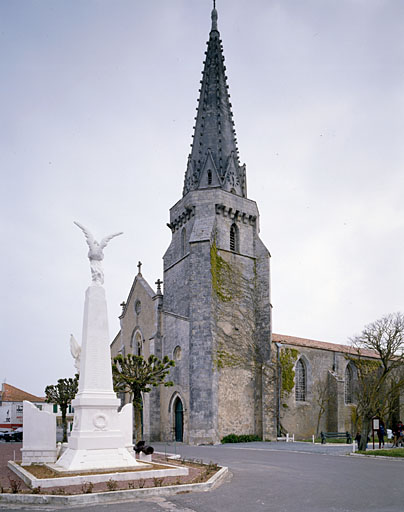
{"type": "Point", "coordinates": [112, 485]}
{"type": "Point", "coordinates": [87, 487]}
{"type": "Point", "coordinates": [243, 438]}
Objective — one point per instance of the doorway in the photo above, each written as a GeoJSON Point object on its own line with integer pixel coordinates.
{"type": "Point", "coordinates": [179, 420]}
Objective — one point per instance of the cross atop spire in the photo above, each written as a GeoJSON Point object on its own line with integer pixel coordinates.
{"type": "Point", "coordinates": [159, 283]}
{"type": "Point", "coordinates": [214, 16]}
{"type": "Point", "coordinates": [214, 160]}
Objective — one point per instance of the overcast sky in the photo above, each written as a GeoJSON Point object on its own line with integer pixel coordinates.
{"type": "Point", "coordinates": [97, 104]}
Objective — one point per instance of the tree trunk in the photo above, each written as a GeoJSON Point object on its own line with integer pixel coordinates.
{"type": "Point", "coordinates": [364, 435]}
{"type": "Point", "coordinates": [137, 408]}
{"type": "Point", "coordinates": [138, 423]}
{"type": "Point", "coordinates": [320, 415]}
{"type": "Point", "coordinates": [64, 423]}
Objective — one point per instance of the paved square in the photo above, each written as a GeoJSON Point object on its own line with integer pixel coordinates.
{"type": "Point", "coordinates": [280, 477]}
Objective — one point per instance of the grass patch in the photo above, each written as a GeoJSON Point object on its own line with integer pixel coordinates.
{"type": "Point", "coordinates": [393, 452]}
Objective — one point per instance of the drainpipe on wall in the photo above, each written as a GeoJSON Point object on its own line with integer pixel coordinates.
{"type": "Point", "coordinates": [278, 390]}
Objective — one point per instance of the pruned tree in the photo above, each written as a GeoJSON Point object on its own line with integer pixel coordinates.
{"type": "Point", "coordinates": [321, 397]}
{"type": "Point", "coordinates": [62, 394]}
{"type": "Point", "coordinates": [380, 371]}
{"type": "Point", "coordinates": [136, 375]}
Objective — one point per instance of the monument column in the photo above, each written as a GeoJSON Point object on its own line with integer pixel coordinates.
{"type": "Point", "coordinates": [95, 424]}
{"type": "Point", "coordinates": [101, 437]}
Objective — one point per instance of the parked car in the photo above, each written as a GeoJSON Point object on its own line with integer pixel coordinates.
{"type": "Point", "coordinates": [13, 435]}
{"type": "Point", "coordinates": [18, 432]}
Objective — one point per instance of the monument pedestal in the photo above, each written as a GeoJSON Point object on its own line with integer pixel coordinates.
{"type": "Point", "coordinates": [101, 437]}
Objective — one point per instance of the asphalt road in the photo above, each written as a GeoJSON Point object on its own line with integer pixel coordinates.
{"type": "Point", "coordinates": [276, 477]}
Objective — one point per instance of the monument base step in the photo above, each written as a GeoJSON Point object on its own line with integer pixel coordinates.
{"type": "Point", "coordinates": [87, 460]}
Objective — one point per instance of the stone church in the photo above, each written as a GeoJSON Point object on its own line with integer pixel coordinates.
{"type": "Point", "coordinates": [214, 317]}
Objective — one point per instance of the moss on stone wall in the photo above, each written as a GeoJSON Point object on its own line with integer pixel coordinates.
{"type": "Point", "coordinates": [221, 275]}
{"type": "Point", "coordinates": [225, 359]}
{"type": "Point", "coordinates": [287, 359]}
{"type": "Point", "coordinates": [366, 366]}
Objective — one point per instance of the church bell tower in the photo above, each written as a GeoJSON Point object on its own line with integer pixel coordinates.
{"type": "Point", "coordinates": [216, 309]}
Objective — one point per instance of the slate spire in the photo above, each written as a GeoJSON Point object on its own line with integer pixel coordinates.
{"type": "Point", "coordinates": [214, 160]}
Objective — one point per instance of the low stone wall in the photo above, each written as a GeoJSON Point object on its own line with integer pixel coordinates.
{"type": "Point", "coordinates": [115, 496]}
{"type": "Point", "coordinates": [38, 456]}
{"type": "Point", "coordinates": [45, 483]}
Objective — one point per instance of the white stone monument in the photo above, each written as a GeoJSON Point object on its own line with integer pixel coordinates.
{"type": "Point", "coordinates": [101, 437]}
{"type": "Point", "coordinates": [39, 440]}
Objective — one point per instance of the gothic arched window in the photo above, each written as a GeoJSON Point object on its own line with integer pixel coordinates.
{"type": "Point", "coordinates": [177, 353]}
{"type": "Point", "coordinates": [300, 381]}
{"type": "Point", "coordinates": [209, 177]}
{"type": "Point", "coordinates": [348, 385]}
{"type": "Point", "coordinates": [234, 238]}
{"type": "Point", "coordinates": [136, 343]}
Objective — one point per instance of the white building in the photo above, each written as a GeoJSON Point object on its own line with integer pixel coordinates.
{"type": "Point", "coordinates": [11, 407]}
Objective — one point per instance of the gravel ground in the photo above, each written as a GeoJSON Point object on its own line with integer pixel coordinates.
{"type": "Point", "coordinates": [9, 451]}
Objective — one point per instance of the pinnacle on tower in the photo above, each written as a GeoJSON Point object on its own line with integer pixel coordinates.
{"type": "Point", "coordinates": [214, 160]}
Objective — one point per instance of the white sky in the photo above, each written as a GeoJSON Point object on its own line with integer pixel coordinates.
{"type": "Point", "coordinates": [97, 100]}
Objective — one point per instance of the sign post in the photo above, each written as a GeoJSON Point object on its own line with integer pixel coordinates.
{"type": "Point", "coordinates": [375, 427]}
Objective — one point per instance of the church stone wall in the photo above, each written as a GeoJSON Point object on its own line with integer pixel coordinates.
{"type": "Point", "coordinates": [400, 412]}
{"type": "Point", "coordinates": [236, 402]}
{"type": "Point", "coordinates": [325, 371]}
{"type": "Point", "coordinates": [331, 423]}
{"type": "Point", "coordinates": [177, 248]}
{"type": "Point", "coordinates": [237, 210]}
{"type": "Point", "coordinates": [176, 288]}
{"type": "Point", "coordinates": [203, 411]}
{"type": "Point", "coordinates": [269, 402]}
{"type": "Point", "coordinates": [241, 348]}
{"type": "Point", "coordinates": [263, 336]}
{"type": "Point", "coordinates": [178, 330]}
{"type": "Point", "coordinates": [143, 321]}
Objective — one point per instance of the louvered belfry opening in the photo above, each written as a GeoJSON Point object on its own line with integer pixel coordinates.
{"type": "Point", "coordinates": [233, 238]}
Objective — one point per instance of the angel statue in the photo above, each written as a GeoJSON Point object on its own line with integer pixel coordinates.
{"type": "Point", "coordinates": [75, 350]}
{"type": "Point", "coordinates": [95, 254]}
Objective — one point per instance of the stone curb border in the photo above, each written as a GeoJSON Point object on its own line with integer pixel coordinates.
{"type": "Point", "coordinates": [370, 456]}
{"type": "Point", "coordinates": [62, 481]}
{"type": "Point", "coordinates": [114, 496]}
